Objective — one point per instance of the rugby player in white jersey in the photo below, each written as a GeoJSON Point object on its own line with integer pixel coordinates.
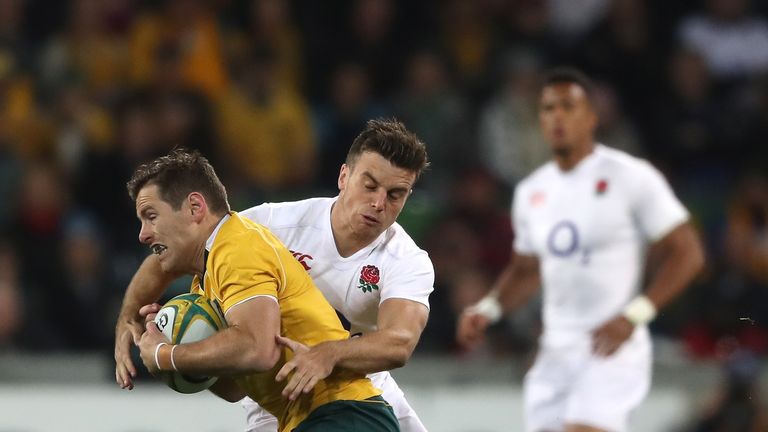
{"type": "Point", "coordinates": [582, 226]}
{"type": "Point", "coordinates": [365, 264]}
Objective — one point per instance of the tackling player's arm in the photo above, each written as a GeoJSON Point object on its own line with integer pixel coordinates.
{"type": "Point", "coordinates": [246, 346]}
{"type": "Point", "coordinates": [400, 323]}
{"type": "Point", "coordinates": [519, 281]}
{"type": "Point", "coordinates": [681, 257]}
{"type": "Point", "coordinates": [145, 288]}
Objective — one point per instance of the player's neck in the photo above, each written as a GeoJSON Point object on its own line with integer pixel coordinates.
{"type": "Point", "coordinates": [566, 160]}
{"type": "Point", "coordinates": [208, 226]}
{"type": "Point", "coordinates": [347, 241]}
{"type": "Point", "coordinates": [349, 244]}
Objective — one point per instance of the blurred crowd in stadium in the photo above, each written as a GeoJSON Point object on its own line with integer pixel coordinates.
{"type": "Point", "coordinates": [274, 91]}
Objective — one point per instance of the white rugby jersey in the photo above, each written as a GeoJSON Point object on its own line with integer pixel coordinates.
{"type": "Point", "coordinates": [391, 267]}
{"type": "Point", "coordinates": [589, 227]}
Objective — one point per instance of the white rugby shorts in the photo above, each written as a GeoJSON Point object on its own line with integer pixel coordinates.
{"type": "Point", "coordinates": [569, 385]}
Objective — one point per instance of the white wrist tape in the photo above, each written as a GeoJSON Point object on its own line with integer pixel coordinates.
{"type": "Point", "coordinates": [488, 307]}
{"type": "Point", "coordinates": [640, 311]}
{"type": "Point", "coordinates": [157, 350]}
{"type": "Point", "coordinates": [173, 362]}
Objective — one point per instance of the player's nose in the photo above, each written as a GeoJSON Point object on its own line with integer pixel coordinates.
{"type": "Point", "coordinates": [378, 200]}
{"type": "Point", "coordinates": [145, 234]}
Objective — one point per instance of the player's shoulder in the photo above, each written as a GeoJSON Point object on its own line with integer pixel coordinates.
{"type": "Point", "coordinates": [398, 245]}
{"type": "Point", "coordinates": [542, 174]}
{"type": "Point", "coordinates": [289, 213]}
{"type": "Point", "coordinates": [624, 164]}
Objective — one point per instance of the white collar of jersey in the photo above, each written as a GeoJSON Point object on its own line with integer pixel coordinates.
{"type": "Point", "coordinates": [588, 160]}
{"type": "Point", "coordinates": [212, 237]}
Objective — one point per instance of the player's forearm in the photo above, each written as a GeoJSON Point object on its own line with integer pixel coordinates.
{"type": "Point", "coordinates": [377, 351]}
{"type": "Point", "coordinates": [681, 261]}
{"type": "Point", "coordinates": [229, 352]}
{"type": "Point", "coordinates": [517, 284]}
{"type": "Point", "coordinates": [145, 287]}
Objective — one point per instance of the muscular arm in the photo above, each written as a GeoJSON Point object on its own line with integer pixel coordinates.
{"type": "Point", "coordinates": [400, 324]}
{"type": "Point", "coordinates": [519, 281]}
{"type": "Point", "coordinates": [247, 345]}
{"type": "Point", "coordinates": [680, 258]}
{"type": "Point", "coordinates": [145, 287]}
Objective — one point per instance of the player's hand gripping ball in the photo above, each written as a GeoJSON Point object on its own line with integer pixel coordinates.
{"type": "Point", "coordinates": [189, 318]}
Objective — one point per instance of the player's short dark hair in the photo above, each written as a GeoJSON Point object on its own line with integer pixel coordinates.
{"type": "Point", "coordinates": [178, 174]}
{"type": "Point", "coordinates": [393, 141]}
{"type": "Point", "coordinates": [568, 75]}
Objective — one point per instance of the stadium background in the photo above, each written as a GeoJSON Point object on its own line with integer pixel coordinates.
{"type": "Point", "coordinates": [274, 91]}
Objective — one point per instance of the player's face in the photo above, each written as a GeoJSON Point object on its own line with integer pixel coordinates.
{"type": "Point", "coordinates": [168, 232]}
{"type": "Point", "coordinates": [372, 192]}
{"type": "Point", "coordinates": [566, 117]}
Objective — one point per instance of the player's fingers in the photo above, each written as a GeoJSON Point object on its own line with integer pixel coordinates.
{"type": "Point", "coordinates": [291, 386]}
{"type": "Point", "coordinates": [123, 378]}
{"type": "Point", "coordinates": [299, 387]}
{"type": "Point", "coordinates": [294, 346]}
{"type": "Point", "coordinates": [149, 309]}
{"type": "Point", "coordinates": [311, 384]}
{"type": "Point", "coordinates": [150, 317]}
{"type": "Point", "coordinates": [124, 361]}
{"type": "Point", "coordinates": [128, 363]}
{"type": "Point", "coordinates": [151, 327]}
{"type": "Point", "coordinates": [470, 331]}
{"type": "Point", "coordinates": [284, 371]}
{"type": "Point", "coordinates": [604, 346]}
{"type": "Point", "coordinates": [462, 330]}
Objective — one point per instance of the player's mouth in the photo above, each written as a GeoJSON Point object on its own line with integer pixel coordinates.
{"type": "Point", "coordinates": [158, 248]}
{"type": "Point", "coordinates": [370, 220]}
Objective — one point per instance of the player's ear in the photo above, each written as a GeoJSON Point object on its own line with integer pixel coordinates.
{"type": "Point", "coordinates": [343, 176]}
{"type": "Point", "coordinates": [197, 205]}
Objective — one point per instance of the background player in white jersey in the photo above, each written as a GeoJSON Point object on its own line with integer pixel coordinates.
{"type": "Point", "coordinates": [582, 223]}
{"type": "Point", "coordinates": [365, 264]}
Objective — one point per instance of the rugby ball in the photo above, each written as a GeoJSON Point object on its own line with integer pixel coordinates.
{"type": "Point", "coordinates": [189, 318]}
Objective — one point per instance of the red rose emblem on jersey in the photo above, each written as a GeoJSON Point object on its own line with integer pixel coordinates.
{"type": "Point", "coordinates": [369, 278]}
{"type": "Point", "coordinates": [601, 187]}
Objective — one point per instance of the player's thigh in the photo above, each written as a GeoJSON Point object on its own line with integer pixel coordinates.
{"type": "Point", "coordinates": [257, 418]}
{"type": "Point", "coordinates": [370, 415]}
{"type": "Point", "coordinates": [406, 416]}
{"type": "Point", "coordinates": [545, 391]}
{"type": "Point", "coordinates": [610, 388]}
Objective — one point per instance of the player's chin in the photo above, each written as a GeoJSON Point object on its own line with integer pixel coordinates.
{"type": "Point", "coordinates": [166, 263]}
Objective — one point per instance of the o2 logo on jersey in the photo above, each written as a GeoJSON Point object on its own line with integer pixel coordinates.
{"type": "Point", "coordinates": [563, 239]}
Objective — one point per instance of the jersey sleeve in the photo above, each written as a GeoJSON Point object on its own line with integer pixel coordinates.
{"type": "Point", "coordinates": [522, 243]}
{"type": "Point", "coordinates": [412, 279]}
{"type": "Point", "coordinates": [244, 270]}
{"type": "Point", "coordinates": [655, 207]}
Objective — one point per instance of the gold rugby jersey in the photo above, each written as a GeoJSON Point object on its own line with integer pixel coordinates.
{"type": "Point", "coordinates": [244, 260]}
